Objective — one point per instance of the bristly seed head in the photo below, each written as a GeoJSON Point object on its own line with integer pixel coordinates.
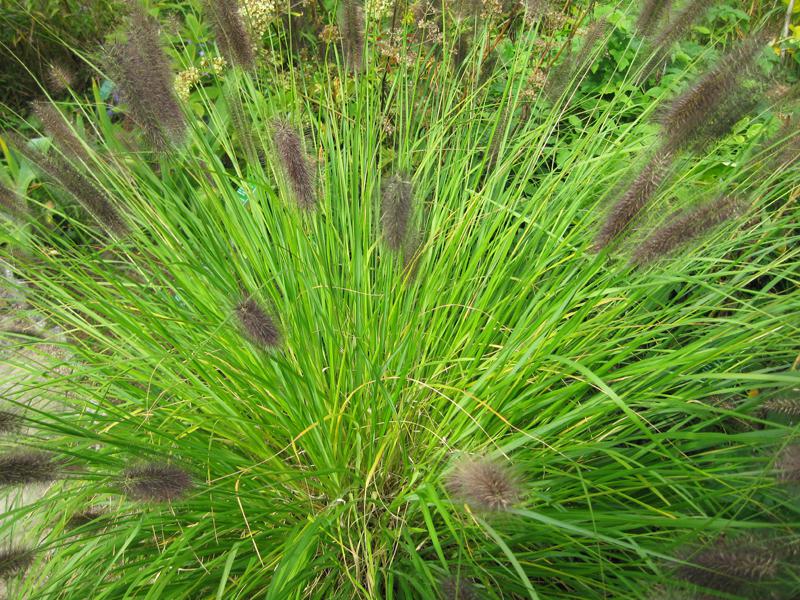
{"type": "Point", "coordinates": [787, 465]}
{"type": "Point", "coordinates": [12, 203]}
{"type": "Point", "coordinates": [484, 483]}
{"type": "Point", "coordinates": [9, 421]}
{"type": "Point", "coordinates": [232, 37]}
{"type": "Point", "coordinates": [397, 206]}
{"type": "Point", "coordinates": [56, 125]}
{"type": "Point", "coordinates": [77, 185]}
{"type": "Point", "coordinates": [257, 324]}
{"type": "Point", "coordinates": [672, 32]}
{"type": "Point", "coordinates": [156, 482]}
{"type": "Point", "coordinates": [727, 564]}
{"type": "Point", "coordinates": [296, 165]}
{"type": "Point", "coordinates": [683, 227]}
{"type": "Point", "coordinates": [710, 107]}
{"type": "Point", "coordinates": [14, 561]}
{"type": "Point", "coordinates": [787, 406]}
{"type": "Point", "coordinates": [84, 517]}
{"type": "Point", "coordinates": [457, 588]}
{"type": "Point", "coordinates": [650, 16]}
{"type": "Point", "coordinates": [24, 467]}
{"type": "Point", "coordinates": [634, 199]}
{"type": "Point", "coordinates": [60, 77]}
{"type": "Point", "coordinates": [351, 25]}
{"type": "Point", "coordinates": [144, 77]}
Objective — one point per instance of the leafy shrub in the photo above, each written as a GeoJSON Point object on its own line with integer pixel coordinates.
{"type": "Point", "coordinates": [349, 333]}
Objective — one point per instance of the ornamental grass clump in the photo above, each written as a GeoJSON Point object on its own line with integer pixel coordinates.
{"type": "Point", "coordinates": [263, 402]}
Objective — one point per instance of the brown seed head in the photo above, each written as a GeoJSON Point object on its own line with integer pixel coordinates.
{"type": "Point", "coordinates": [257, 324]}
{"type": "Point", "coordinates": [295, 163]}
{"type": "Point", "coordinates": [57, 127]}
{"type": "Point", "coordinates": [156, 482]}
{"type": "Point", "coordinates": [351, 26]}
{"type": "Point", "coordinates": [22, 467]}
{"type": "Point", "coordinates": [457, 588]}
{"type": "Point", "coordinates": [396, 210]}
{"type": "Point", "coordinates": [232, 36]}
{"type": "Point", "coordinates": [787, 464]}
{"type": "Point", "coordinates": [144, 78]}
{"type": "Point", "coordinates": [650, 16]}
{"type": "Point", "coordinates": [634, 198]}
{"type": "Point", "coordinates": [728, 564]}
{"type": "Point", "coordinates": [484, 484]}
{"type": "Point", "coordinates": [683, 227]}
{"type": "Point", "coordinates": [14, 561]}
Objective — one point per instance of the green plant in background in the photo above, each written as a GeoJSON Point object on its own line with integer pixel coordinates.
{"type": "Point", "coordinates": [416, 320]}
{"type": "Point", "coordinates": [42, 42]}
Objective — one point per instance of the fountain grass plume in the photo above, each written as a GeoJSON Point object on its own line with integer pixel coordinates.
{"type": "Point", "coordinates": [231, 33]}
{"type": "Point", "coordinates": [733, 107]}
{"type": "Point", "coordinates": [727, 564]}
{"type": "Point", "coordinates": [12, 203]}
{"type": "Point", "coordinates": [573, 66]}
{"type": "Point", "coordinates": [156, 482]}
{"type": "Point", "coordinates": [351, 26]}
{"type": "Point", "coordinates": [77, 185]}
{"type": "Point", "coordinates": [56, 125]}
{"type": "Point", "coordinates": [787, 464]}
{"type": "Point", "coordinates": [682, 227]}
{"type": "Point", "coordinates": [143, 75]}
{"type": "Point", "coordinates": [14, 561]}
{"type": "Point", "coordinates": [670, 33]}
{"type": "Point", "coordinates": [634, 198]}
{"type": "Point", "coordinates": [785, 406]}
{"type": "Point", "coordinates": [696, 114]}
{"type": "Point", "coordinates": [297, 167]}
{"type": "Point", "coordinates": [397, 207]}
{"type": "Point", "coordinates": [457, 588]}
{"type": "Point", "coordinates": [651, 14]}
{"type": "Point", "coordinates": [84, 517]}
{"type": "Point", "coordinates": [9, 422]}
{"type": "Point", "coordinates": [59, 77]}
{"type": "Point", "coordinates": [485, 484]}
{"type": "Point", "coordinates": [257, 325]}
{"type": "Point", "coordinates": [22, 467]}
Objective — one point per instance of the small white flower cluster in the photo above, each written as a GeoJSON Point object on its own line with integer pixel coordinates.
{"type": "Point", "coordinates": [376, 10]}
{"type": "Point", "coordinates": [185, 81]}
{"type": "Point", "coordinates": [257, 14]}
{"type": "Point", "coordinates": [190, 77]}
